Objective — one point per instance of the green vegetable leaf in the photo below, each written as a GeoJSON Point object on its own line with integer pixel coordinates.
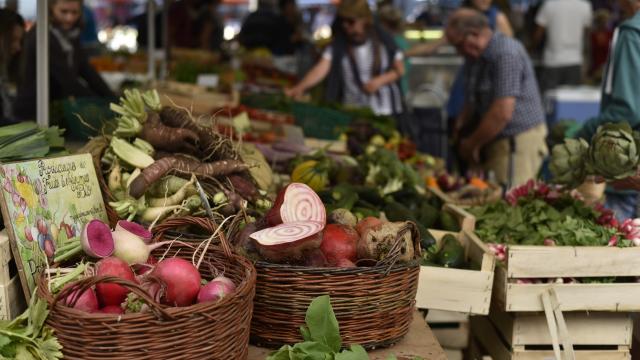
{"type": "Point", "coordinates": [312, 350]}
{"type": "Point", "coordinates": [306, 335]}
{"type": "Point", "coordinates": [4, 341]}
{"type": "Point", "coordinates": [355, 352]}
{"type": "Point", "coordinates": [322, 323]}
{"type": "Point", "coordinates": [23, 353]}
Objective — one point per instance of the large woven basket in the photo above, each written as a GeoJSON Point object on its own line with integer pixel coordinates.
{"type": "Point", "coordinates": [374, 305]}
{"type": "Point", "coordinates": [218, 330]}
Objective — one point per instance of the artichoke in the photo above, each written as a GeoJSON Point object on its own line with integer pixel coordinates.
{"type": "Point", "coordinates": [614, 152]}
{"type": "Point", "coordinates": [569, 162]}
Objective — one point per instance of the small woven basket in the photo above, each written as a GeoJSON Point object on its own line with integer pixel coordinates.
{"type": "Point", "coordinates": [216, 330]}
{"type": "Point", "coordinates": [374, 305]}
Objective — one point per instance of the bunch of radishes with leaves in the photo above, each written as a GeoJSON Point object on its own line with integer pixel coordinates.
{"type": "Point", "coordinates": [125, 253]}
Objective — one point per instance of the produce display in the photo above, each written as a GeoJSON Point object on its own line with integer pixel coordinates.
{"type": "Point", "coordinates": [295, 231]}
{"type": "Point", "coordinates": [125, 252]}
{"type": "Point", "coordinates": [612, 154]}
{"type": "Point", "coordinates": [159, 158]}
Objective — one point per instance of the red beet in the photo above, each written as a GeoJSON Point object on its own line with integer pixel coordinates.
{"type": "Point", "coordinates": [87, 301]}
{"type": "Point", "coordinates": [289, 242]}
{"type": "Point", "coordinates": [366, 223]}
{"type": "Point", "coordinates": [297, 203]}
{"type": "Point", "coordinates": [182, 281]}
{"type": "Point", "coordinates": [339, 242]}
{"type": "Point", "coordinates": [111, 294]}
{"type": "Point", "coordinates": [111, 309]}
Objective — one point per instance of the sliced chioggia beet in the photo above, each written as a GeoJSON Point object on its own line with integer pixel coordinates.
{"type": "Point", "coordinates": [97, 240]}
{"type": "Point", "coordinates": [289, 241]}
{"type": "Point", "coordinates": [135, 229]}
{"type": "Point", "coordinates": [295, 203]}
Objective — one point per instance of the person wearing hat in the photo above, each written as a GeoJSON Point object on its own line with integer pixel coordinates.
{"type": "Point", "coordinates": [362, 67]}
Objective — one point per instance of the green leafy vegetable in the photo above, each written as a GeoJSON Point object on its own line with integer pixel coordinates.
{"type": "Point", "coordinates": [322, 337]}
{"type": "Point", "coordinates": [27, 337]}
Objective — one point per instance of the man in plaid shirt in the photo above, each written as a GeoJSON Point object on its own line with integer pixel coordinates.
{"type": "Point", "coordinates": [502, 127]}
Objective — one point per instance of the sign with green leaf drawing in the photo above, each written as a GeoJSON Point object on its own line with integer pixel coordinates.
{"type": "Point", "coordinates": [45, 205]}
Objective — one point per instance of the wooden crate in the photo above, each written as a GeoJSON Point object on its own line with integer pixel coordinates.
{"type": "Point", "coordinates": [584, 328]}
{"type": "Point", "coordinates": [450, 328]}
{"type": "Point", "coordinates": [12, 302]}
{"type": "Point", "coordinates": [493, 344]}
{"type": "Point", "coordinates": [535, 262]}
{"type": "Point", "coordinates": [465, 219]}
{"type": "Point", "coordinates": [466, 291]}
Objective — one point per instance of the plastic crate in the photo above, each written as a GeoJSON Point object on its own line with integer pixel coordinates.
{"type": "Point", "coordinates": [94, 112]}
{"type": "Point", "coordinates": [320, 122]}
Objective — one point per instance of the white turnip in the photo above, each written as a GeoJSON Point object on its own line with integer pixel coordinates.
{"type": "Point", "coordinates": [135, 229]}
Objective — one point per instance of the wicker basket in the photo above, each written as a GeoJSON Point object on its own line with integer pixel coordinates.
{"type": "Point", "coordinates": [217, 330]}
{"type": "Point", "coordinates": [374, 305]}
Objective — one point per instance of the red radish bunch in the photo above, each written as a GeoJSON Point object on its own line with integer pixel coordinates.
{"type": "Point", "coordinates": [111, 309]}
{"type": "Point", "coordinates": [499, 250]}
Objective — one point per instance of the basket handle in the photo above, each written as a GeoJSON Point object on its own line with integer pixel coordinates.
{"type": "Point", "coordinates": [201, 222]}
{"type": "Point", "coordinates": [85, 284]}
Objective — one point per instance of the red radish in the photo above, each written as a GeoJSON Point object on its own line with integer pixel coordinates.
{"type": "Point", "coordinates": [141, 269]}
{"type": "Point", "coordinates": [112, 309]}
{"type": "Point", "coordinates": [290, 241]}
{"type": "Point", "coordinates": [132, 248]}
{"type": "Point", "coordinates": [296, 203]}
{"type": "Point", "coordinates": [345, 263]}
{"type": "Point", "coordinates": [111, 294]}
{"type": "Point", "coordinates": [87, 301]}
{"type": "Point", "coordinates": [367, 223]}
{"type": "Point", "coordinates": [182, 281]}
{"type": "Point", "coordinates": [339, 242]}
{"type": "Point", "coordinates": [135, 229]}
{"type": "Point", "coordinates": [216, 289]}
{"type": "Point", "coordinates": [96, 239]}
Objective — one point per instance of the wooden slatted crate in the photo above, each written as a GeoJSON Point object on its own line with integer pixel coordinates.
{"type": "Point", "coordinates": [493, 343]}
{"type": "Point", "coordinates": [534, 262]}
{"type": "Point", "coordinates": [450, 328]}
{"type": "Point", "coordinates": [12, 301]}
{"type": "Point", "coordinates": [465, 291]}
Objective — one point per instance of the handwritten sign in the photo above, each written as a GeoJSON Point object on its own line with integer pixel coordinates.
{"type": "Point", "coordinates": [45, 205]}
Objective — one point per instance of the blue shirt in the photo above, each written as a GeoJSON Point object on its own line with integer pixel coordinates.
{"type": "Point", "coordinates": [504, 70]}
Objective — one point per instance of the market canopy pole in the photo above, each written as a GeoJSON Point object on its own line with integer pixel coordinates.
{"type": "Point", "coordinates": [166, 4]}
{"type": "Point", "coordinates": [151, 38]}
{"type": "Point", "coordinates": [42, 63]}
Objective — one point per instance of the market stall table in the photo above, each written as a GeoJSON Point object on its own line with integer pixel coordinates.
{"type": "Point", "coordinates": [419, 342]}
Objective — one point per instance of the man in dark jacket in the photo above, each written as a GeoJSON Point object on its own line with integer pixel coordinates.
{"type": "Point", "coordinates": [362, 66]}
